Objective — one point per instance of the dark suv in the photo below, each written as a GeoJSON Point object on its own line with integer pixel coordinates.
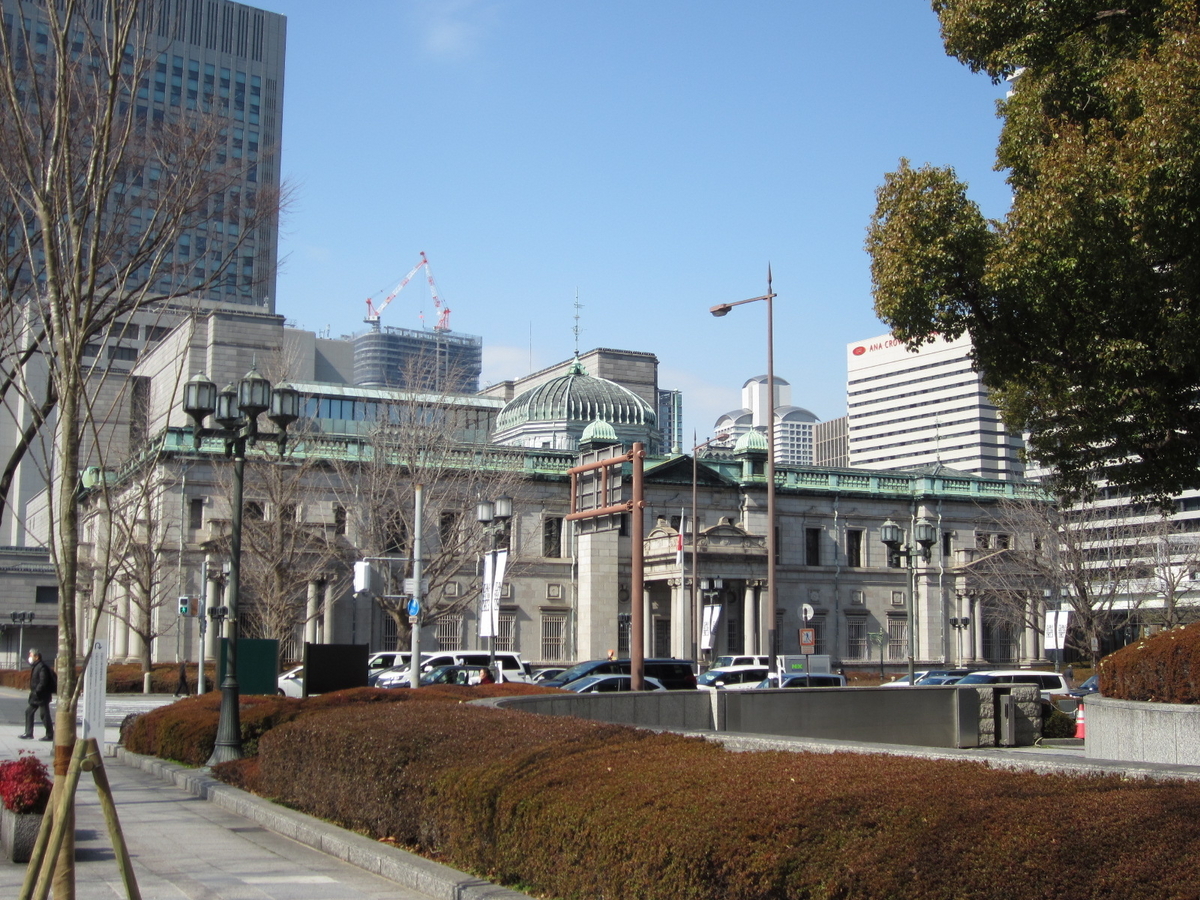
{"type": "Point", "coordinates": [675, 674]}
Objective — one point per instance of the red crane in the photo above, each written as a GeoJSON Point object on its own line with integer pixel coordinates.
{"type": "Point", "coordinates": [443, 319]}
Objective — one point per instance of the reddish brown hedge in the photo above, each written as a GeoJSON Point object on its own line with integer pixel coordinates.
{"type": "Point", "coordinates": [125, 678]}
{"type": "Point", "coordinates": [575, 809]}
{"type": "Point", "coordinates": [1164, 667]}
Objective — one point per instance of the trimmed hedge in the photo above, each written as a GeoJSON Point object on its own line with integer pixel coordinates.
{"type": "Point", "coordinates": [577, 809]}
{"type": "Point", "coordinates": [1164, 668]}
{"type": "Point", "coordinates": [125, 678]}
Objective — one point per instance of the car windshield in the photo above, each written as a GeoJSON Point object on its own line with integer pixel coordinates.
{"type": "Point", "coordinates": [438, 675]}
{"type": "Point", "coordinates": [712, 675]}
{"type": "Point", "coordinates": [574, 672]}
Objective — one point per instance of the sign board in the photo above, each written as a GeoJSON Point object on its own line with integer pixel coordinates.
{"type": "Point", "coordinates": [1056, 628]}
{"type": "Point", "coordinates": [493, 586]}
{"type": "Point", "coordinates": [414, 608]}
{"type": "Point", "coordinates": [817, 662]}
{"type": "Point", "coordinates": [95, 693]}
{"type": "Point", "coordinates": [410, 586]}
{"type": "Point", "coordinates": [808, 640]}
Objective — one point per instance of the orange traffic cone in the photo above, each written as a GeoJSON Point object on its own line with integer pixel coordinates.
{"type": "Point", "coordinates": [1080, 723]}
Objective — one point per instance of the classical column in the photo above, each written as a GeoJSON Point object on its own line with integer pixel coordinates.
{"type": "Point", "coordinates": [120, 623]}
{"type": "Point", "coordinates": [977, 627]}
{"type": "Point", "coordinates": [753, 637]}
{"type": "Point", "coordinates": [327, 636]}
{"type": "Point", "coordinates": [137, 620]}
{"type": "Point", "coordinates": [1033, 650]}
{"type": "Point", "coordinates": [311, 610]}
{"type": "Point", "coordinates": [680, 597]}
{"type": "Point", "coordinates": [212, 599]}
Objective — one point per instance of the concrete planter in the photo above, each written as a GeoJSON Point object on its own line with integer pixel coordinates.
{"type": "Point", "coordinates": [18, 833]}
{"type": "Point", "coordinates": [1135, 731]}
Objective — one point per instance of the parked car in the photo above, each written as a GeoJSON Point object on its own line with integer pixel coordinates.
{"type": "Point", "coordinates": [512, 667]}
{"type": "Point", "coordinates": [386, 659]}
{"type": "Point", "coordinates": [800, 679]}
{"type": "Point", "coordinates": [733, 678]}
{"type": "Point", "coordinates": [724, 662]}
{"type": "Point", "coordinates": [606, 684]}
{"type": "Point", "coordinates": [546, 673]}
{"type": "Point", "coordinates": [923, 676]}
{"type": "Point", "coordinates": [675, 674]}
{"type": "Point", "coordinates": [1051, 683]}
{"type": "Point", "coordinates": [930, 680]}
{"type": "Point", "coordinates": [1091, 686]}
{"type": "Point", "coordinates": [291, 682]}
{"type": "Point", "coordinates": [468, 675]}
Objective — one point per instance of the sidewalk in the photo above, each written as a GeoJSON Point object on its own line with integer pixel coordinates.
{"type": "Point", "coordinates": [186, 848]}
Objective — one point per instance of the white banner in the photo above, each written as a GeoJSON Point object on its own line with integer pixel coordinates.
{"type": "Point", "coordinates": [491, 590]}
{"type": "Point", "coordinates": [95, 693]}
{"type": "Point", "coordinates": [1056, 628]}
{"type": "Point", "coordinates": [708, 630]}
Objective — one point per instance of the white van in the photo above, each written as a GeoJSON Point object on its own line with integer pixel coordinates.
{"type": "Point", "coordinates": [512, 667]}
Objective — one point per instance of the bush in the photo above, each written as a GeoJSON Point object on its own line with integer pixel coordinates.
{"type": "Point", "coordinates": [573, 809]}
{"type": "Point", "coordinates": [24, 784]}
{"type": "Point", "coordinates": [1164, 667]}
{"type": "Point", "coordinates": [125, 678]}
{"type": "Point", "coordinates": [1056, 723]}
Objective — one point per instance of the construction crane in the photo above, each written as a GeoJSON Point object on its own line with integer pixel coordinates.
{"type": "Point", "coordinates": [443, 319]}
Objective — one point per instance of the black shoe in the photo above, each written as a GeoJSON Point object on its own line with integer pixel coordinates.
{"type": "Point", "coordinates": [25, 737]}
{"type": "Point", "coordinates": [48, 737]}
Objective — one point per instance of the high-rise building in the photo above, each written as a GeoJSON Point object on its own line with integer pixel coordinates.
{"type": "Point", "coordinates": [924, 407]}
{"type": "Point", "coordinates": [793, 424]}
{"type": "Point", "coordinates": [670, 419]}
{"type": "Point", "coordinates": [421, 360]}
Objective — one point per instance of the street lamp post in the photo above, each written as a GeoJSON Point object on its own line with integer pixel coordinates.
{"type": "Point", "coordinates": [493, 514]}
{"type": "Point", "coordinates": [695, 529]}
{"type": "Point", "coordinates": [723, 309]}
{"type": "Point", "coordinates": [236, 410]}
{"type": "Point", "coordinates": [892, 536]}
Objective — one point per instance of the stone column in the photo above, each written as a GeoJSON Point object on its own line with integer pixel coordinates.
{"type": "Point", "coordinates": [212, 599]}
{"type": "Point", "coordinates": [137, 619]}
{"type": "Point", "coordinates": [120, 623]}
{"type": "Point", "coordinates": [311, 611]}
{"type": "Point", "coordinates": [1033, 649]}
{"type": "Point", "coordinates": [753, 630]}
{"type": "Point", "coordinates": [680, 598]}
{"type": "Point", "coordinates": [327, 635]}
{"type": "Point", "coordinates": [977, 628]}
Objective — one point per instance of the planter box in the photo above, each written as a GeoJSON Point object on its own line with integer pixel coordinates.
{"type": "Point", "coordinates": [1135, 731]}
{"type": "Point", "coordinates": [18, 833]}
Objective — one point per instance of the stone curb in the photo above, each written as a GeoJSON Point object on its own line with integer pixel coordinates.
{"type": "Point", "coordinates": [406, 869]}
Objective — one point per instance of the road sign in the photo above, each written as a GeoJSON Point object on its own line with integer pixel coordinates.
{"type": "Point", "coordinates": [414, 607]}
{"type": "Point", "coordinates": [808, 640]}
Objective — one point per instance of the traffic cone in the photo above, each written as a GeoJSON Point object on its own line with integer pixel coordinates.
{"type": "Point", "coordinates": [1080, 723]}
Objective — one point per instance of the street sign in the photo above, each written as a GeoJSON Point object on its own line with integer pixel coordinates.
{"type": "Point", "coordinates": [808, 640]}
{"type": "Point", "coordinates": [414, 607]}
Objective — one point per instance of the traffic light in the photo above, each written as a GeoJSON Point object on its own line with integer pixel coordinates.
{"type": "Point", "coordinates": [185, 606]}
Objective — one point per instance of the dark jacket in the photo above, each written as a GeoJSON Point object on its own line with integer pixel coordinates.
{"type": "Point", "coordinates": [39, 683]}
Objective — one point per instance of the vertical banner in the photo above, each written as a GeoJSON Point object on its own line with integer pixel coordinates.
{"type": "Point", "coordinates": [95, 693]}
{"type": "Point", "coordinates": [1056, 628]}
{"type": "Point", "coordinates": [497, 589]}
{"type": "Point", "coordinates": [485, 596]}
{"type": "Point", "coordinates": [712, 613]}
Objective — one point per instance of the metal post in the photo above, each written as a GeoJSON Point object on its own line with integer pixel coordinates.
{"type": "Point", "coordinates": [637, 662]}
{"type": "Point", "coordinates": [908, 613]}
{"type": "Point", "coordinates": [414, 669]}
{"type": "Point", "coordinates": [228, 745]}
{"type": "Point", "coordinates": [772, 649]}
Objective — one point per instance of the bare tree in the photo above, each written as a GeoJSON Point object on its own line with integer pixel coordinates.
{"type": "Point", "coordinates": [95, 194]}
{"type": "Point", "coordinates": [416, 438]}
{"type": "Point", "coordinates": [1170, 558]}
{"type": "Point", "coordinates": [1085, 554]}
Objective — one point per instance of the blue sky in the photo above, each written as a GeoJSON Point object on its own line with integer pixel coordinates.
{"type": "Point", "coordinates": [651, 156]}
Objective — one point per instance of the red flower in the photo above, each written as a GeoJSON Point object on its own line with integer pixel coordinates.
{"type": "Point", "coordinates": [25, 784]}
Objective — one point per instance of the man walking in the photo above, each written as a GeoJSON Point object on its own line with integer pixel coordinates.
{"type": "Point", "coordinates": [41, 688]}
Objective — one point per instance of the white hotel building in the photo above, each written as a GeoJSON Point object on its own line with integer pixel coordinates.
{"type": "Point", "coordinates": [923, 408]}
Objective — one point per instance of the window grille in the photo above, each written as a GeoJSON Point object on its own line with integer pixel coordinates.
{"type": "Point", "coordinates": [506, 641]}
{"type": "Point", "coordinates": [897, 639]}
{"type": "Point", "coordinates": [624, 629]}
{"type": "Point", "coordinates": [554, 636]}
{"type": "Point", "coordinates": [449, 632]}
{"type": "Point", "coordinates": [856, 644]}
{"type": "Point", "coordinates": [662, 638]}
{"type": "Point", "coordinates": [388, 633]}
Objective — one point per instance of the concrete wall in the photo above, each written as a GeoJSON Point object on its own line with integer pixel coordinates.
{"type": "Point", "coordinates": [927, 717]}
{"type": "Point", "coordinates": [1136, 731]}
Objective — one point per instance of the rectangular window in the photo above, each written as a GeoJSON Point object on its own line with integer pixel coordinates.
{"type": "Point", "coordinates": [506, 641]}
{"type": "Point", "coordinates": [624, 629]}
{"type": "Point", "coordinates": [339, 520]}
{"type": "Point", "coordinates": [897, 639]}
{"type": "Point", "coordinates": [46, 594]}
{"type": "Point", "coordinates": [817, 624]}
{"type": "Point", "coordinates": [947, 544]}
{"type": "Point", "coordinates": [854, 545]}
{"type": "Point", "coordinates": [812, 546]}
{"type": "Point", "coordinates": [554, 636]}
{"type": "Point", "coordinates": [448, 529]}
{"type": "Point", "coordinates": [449, 632]}
{"type": "Point", "coordinates": [856, 639]}
{"type": "Point", "coordinates": [552, 528]}
{"type": "Point", "coordinates": [196, 513]}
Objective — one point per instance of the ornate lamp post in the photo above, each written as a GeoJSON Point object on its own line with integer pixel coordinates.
{"type": "Point", "coordinates": [892, 535]}
{"type": "Point", "coordinates": [493, 514]}
{"type": "Point", "coordinates": [722, 309]}
{"type": "Point", "coordinates": [236, 410]}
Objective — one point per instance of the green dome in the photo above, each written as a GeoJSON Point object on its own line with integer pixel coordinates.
{"type": "Point", "coordinates": [577, 397]}
{"type": "Point", "coordinates": [599, 431]}
{"type": "Point", "coordinates": [751, 442]}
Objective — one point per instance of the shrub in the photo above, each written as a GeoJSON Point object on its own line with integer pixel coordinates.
{"type": "Point", "coordinates": [25, 784]}
{"type": "Point", "coordinates": [1164, 667]}
{"type": "Point", "coordinates": [1056, 723]}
